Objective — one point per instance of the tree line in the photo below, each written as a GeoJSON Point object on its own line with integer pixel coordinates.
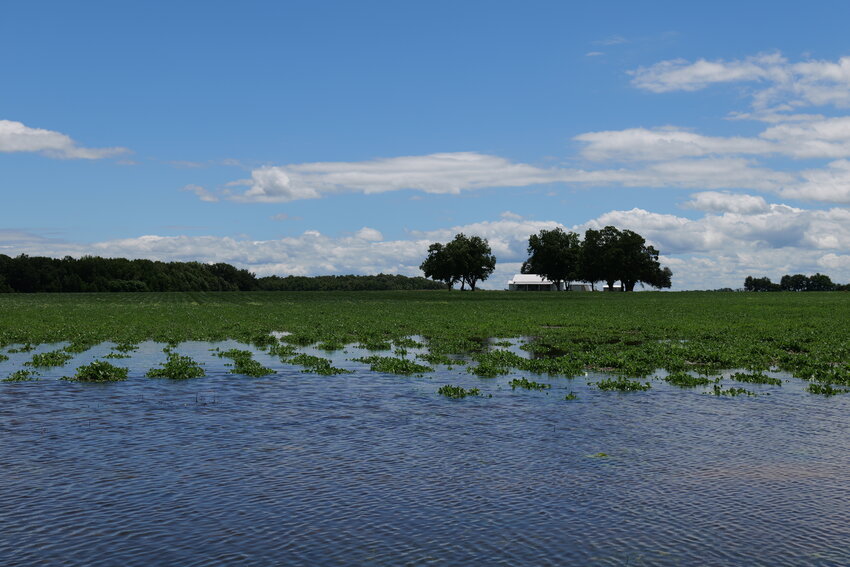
{"type": "Point", "coordinates": [606, 255]}
{"type": "Point", "coordinates": [795, 282]}
{"type": "Point", "coordinates": [33, 274]}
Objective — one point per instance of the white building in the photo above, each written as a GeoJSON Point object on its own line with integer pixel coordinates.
{"type": "Point", "coordinates": [534, 282]}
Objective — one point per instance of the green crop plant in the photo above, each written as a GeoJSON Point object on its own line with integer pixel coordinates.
{"type": "Point", "coordinates": [244, 363]}
{"type": "Point", "coordinates": [717, 390]}
{"type": "Point", "coordinates": [622, 384]}
{"type": "Point", "coordinates": [457, 392]}
{"type": "Point", "coordinates": [177, 367]}
{"type": "Point", "coordinates": [21, 376]}
{"type": "Point", "coordinates": [685, 380]}
{"type": "Point", "coordinates": [50, 359]}
{"type": "Point", "coordinates": [755, 378]}
{"type": "Point", "coordinates": [392, 365]}
{"type": "Point", "coordinates": [98, 371]}
{"type": "Point", "coordinates": [527, 384]}
{"type": "Point", "coordinates": [825, 389]}
{"type": "Point", "coordinates": [316, 365]}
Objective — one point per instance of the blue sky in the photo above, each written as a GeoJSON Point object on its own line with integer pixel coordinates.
{"type": "Point", "coordinates": [344, 137]}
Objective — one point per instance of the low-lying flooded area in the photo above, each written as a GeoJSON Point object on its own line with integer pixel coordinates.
{"type": "Point", "coordinates": [392, 454]}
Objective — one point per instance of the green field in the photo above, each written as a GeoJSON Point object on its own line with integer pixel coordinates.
{"type": "Point", "coordinates": [628, 335]}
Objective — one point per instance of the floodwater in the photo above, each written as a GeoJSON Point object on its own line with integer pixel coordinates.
{"type": "Point", "coordinates": [377, 469]}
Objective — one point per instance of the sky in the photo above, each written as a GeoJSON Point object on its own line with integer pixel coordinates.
{"type": "Point", "coordinates": [318, 137]}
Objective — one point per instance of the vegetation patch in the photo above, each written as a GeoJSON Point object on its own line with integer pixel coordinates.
{"type": "Point", "coordinates": [623, 384]}
{"type": "Point", "coordinates": [570, 397]}
{"type": "Point", "coordinates": [457, 392]}
{"type": "Point", "coordinates": [177, 367]}
{"type": "Point", "coordinates": [24, 348]}
{"type": "Point", "coordinates": [825, 389]}
{"type": "Point", "coordinates": [719, 391]}
{"type": "Point", "coordinates": [756, 378]}
{"type": "Point", "coordinates": [244, 363]}
{"type": "Point", "coordinates": [685, 380]}
{"type": "Point", "coordinates": [50, 359]}
{"type": "Point", "coordinates": [317, 365]}
{"type": "Point", "coordinates": [99, 371]}
{"type": "Point", "coordinates": [526, 384]}
{"type": "Point", "coordinates": [21, 376]}
{"type": "Point", "coordinates": [392, 365]}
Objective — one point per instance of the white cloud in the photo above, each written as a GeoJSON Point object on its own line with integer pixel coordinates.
{"type": "Point", "coordinates": [717, 250]}
{"type": "Point", "coordinates": [664, 144]}
{"type": "Point", "coordinates": [17, 137]}
{"type": "Point", "coordinates": [725, 202]}
{"type": "Point", "coordinates": [201, 193]}
{"type": "Point", "coordinates": [811, 82]}
{"type": "Point", "coordinates": [435, 173]}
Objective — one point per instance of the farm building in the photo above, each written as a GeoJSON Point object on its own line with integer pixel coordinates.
{"type": "Point", "coordinates": [534, 282]}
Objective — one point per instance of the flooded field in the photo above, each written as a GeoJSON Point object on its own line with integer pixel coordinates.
{"type": "Point", "coordinates": [366, 466]}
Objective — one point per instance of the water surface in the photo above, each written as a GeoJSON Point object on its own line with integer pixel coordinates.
{"type": "Point", "coordinates": [369, 468]}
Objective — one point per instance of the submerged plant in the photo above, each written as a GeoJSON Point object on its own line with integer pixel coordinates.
{"type": "Point", "coordinates": [526, 384]}
{"type": "Point", "coordinates": [685, 380]}
{"type": "Point", "coordinates": [570, 397]}
{"type": "Point", "coordinates": [98, 371]}
{"type": "Point", "coordinates": [50, 359]}
{"type": "Point", "coordinates": [24, 348]}
{"type": "Point", "coordinates": [756, 378]}
{"type": "Point", "coordinates": [316, 364]}
{"type": "Point", "coordinates": [825, 389]}
{"type": "Point", "coordinates": [623, 384]}
{"type": "Point", "coordinates": [457, 392]}
{"type": "Point", "coordinates": [177, 367]}
{"type": "Point", "coordinates": [244, 363]}
{"type": "Point", "coordinates": [21, 376]}
{"type": "Point", "coordinates": [718, 391]}
{"type": "Point", "coordinates": [392, 365]}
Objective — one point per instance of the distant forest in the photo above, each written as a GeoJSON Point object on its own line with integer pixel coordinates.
{"type": "Point", "coordinates": [33, 274]}
{"type": "Point", "coordinates": [796, 282]}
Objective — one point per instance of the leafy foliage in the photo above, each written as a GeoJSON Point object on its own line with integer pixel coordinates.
{"type": "Point", "coordinates": [457, 392]}
{"type": "Point", "coordinates": [99, 371]}
{"type": "Point", "coordinates": [50, 359]}
{"type": "Point", "coordinates": [466, 259]}
{"type": "Point", "coordinates": [177, 367]}
{"type": "Point", "coordinates": [244, 363]}
{"type": "Point", "coordinates": [527, 384]}
{"type": "Point", "coordinates": [392, 365]}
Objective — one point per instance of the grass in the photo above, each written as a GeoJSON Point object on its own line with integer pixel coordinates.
{"type": "Point", "coordinates": [630, 336]}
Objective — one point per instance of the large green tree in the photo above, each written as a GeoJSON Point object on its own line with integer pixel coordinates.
{"type": "Point", "coordinates": [612, 255]}
{"type": "Point", "coordinates": [466, 259]}
{"type": "Point", "coordinates": [554, 254]}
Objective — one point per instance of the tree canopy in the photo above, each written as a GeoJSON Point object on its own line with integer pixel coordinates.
{"type": "Point", "coordinates": [795, 282]}
{"type": "Point", "coordinates": [466, 259]}
{"type": "Point", "coordinates": [608, 255]}
{"type": "Point", "coordinates": [31, 274]}
{"type": "Point", "coordinates": [555, 255]}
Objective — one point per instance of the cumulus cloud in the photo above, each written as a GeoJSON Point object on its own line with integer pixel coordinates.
{"type": "Point", "coordinates": [716, 250]}
{"type": "Point", "coordinates": [435, 173]}
{"type": "Point", "coordinates": [725, 202]}
{"type": "Point", "coordinates": [17, 137]}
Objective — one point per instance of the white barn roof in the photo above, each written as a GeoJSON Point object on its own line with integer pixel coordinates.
{"type": "Point", "coordinates": [529, 279]}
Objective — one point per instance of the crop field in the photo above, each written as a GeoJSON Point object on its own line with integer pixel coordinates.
{"type": "Point", "coordinates": [691, 336]}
